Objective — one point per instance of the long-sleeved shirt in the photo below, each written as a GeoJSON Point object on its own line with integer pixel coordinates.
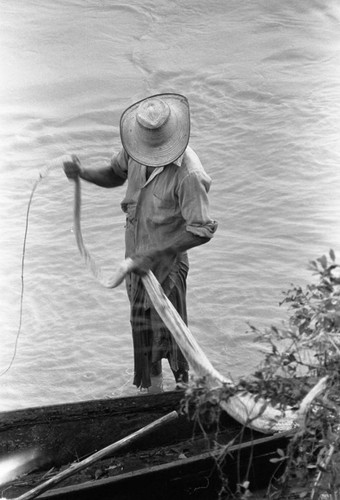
{"type": "Point", "coordinates": [172, 200]}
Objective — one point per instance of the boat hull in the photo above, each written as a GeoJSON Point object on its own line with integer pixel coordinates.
{"type": "Point", "coordinates": [180, 460]}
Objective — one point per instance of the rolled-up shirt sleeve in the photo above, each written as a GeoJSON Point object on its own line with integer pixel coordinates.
{"type": "Point", "coordinates": [194, 203]}
{"type": "Point", "coordinates": [119, 164]}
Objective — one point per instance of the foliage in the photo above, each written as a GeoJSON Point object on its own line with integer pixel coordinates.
{"type": "Point", "coordinates": [301, 351]}
{"type": "Point", "coordinates": [309, 346]}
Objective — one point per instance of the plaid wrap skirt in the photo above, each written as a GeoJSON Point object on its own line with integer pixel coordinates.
{"type": "Point", "coordinates": [152, 341]}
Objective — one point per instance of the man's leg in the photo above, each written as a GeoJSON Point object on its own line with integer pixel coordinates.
{"type": "Point", "coordinates": [164, 345]}
{"type": "Point", "coordinates": [142, 337]}
{"type": "Point", "coordinates": [156, 378]}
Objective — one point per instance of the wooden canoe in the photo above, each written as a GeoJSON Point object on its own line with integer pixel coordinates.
{"type": "Point", "coordinates": [180, 460]}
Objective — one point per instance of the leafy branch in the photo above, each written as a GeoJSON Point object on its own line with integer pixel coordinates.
{"type": "Point", "coordinates": [301, 352]}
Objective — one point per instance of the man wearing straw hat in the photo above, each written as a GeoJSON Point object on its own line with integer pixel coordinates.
{"type": "Point", "coordinates": [167, 213]}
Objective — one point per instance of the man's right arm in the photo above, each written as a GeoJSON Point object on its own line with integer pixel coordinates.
{"type": "Point", "coordinates": [101, 176]}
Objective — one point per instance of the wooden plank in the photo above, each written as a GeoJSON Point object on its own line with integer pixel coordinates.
{"type": "Point", "coordinates": [196, 477]}
{"type": "Point", "coordinates": [63, 433]}
{"type": "Point", "coordinates": [66, 412]}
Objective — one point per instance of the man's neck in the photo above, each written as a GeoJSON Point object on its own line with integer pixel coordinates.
{"type": "Point", "coordinates": [148, 172]}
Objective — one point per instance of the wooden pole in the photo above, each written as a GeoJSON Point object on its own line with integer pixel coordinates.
{"type": "Point", "coordinates": [108, 450]}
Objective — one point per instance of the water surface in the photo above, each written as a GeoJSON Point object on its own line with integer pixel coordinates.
{"type": "Point", "coordinates": [263, 81]}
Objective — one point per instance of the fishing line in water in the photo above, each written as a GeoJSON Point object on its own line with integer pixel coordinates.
{"type": "Point", "coordinates": [42, 175]}
{"type": "Point", "coordinates": [22, 279]}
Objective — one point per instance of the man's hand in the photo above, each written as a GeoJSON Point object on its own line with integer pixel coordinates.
{"type": "Point", "coordinates": [142, 263]}
{"type": "Point", "coordinates": [72, 167]}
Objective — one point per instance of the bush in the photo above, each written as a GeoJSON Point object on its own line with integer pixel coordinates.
{"type": "Point", "coordinates": [301, 352]}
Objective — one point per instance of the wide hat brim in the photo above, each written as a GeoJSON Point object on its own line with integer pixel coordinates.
{"type": "Point", "coordinates": [157, 147]}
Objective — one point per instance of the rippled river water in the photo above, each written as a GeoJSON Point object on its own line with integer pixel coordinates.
{"type": "Point", "coordinates": [263, 81]}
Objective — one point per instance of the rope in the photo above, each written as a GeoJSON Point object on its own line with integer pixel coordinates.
{"type": "Point", "coordinates": [123, 269]}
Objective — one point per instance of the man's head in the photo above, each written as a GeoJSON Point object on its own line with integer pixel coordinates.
{"type": "Point", "coordinates": [156, 130]}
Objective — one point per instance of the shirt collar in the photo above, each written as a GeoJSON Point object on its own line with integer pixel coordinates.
{"type": "Point", "coordinates": [158, 170]}
{"type": "Point", "coordinates": [179, 161]}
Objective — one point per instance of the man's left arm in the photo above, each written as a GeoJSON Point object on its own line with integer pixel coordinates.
{"type": "Point", "coordinates": [194, 204]}
{"type": "Point", "coordinates": [199, 227]}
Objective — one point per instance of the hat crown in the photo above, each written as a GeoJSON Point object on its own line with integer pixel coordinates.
{"type": "Point", "coordinates": [153, 113]}
{"type": "Point", "coordinates": [156, 130]}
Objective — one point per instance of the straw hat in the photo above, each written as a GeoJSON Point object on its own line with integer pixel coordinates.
{"type": "Point", "coordinates": [156, 130]}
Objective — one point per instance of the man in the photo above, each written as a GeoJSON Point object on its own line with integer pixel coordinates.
{"type": "Point", "coordinates": [166, 208]}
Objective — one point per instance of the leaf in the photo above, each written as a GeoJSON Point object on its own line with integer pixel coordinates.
{"type": "Point", "coordinates": [112, 467]}
{"type": "Point", "coordinates": [291, 357]}
{"type": "Point", "coordinates": [276, 460]}
{"type": "Point", "coordinates": [332, 255]}
{"type": "Point", "coordinates": [323, 261]}
{"type": "Point", "coordinates": [98, 473]}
